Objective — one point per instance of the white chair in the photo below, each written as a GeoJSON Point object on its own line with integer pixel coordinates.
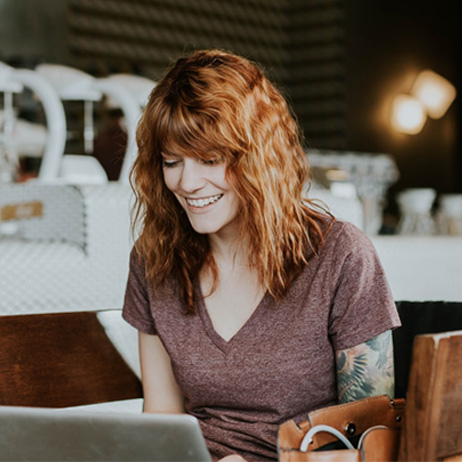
{"type": "Point", "coordinates": [127, 92]}
{"type": "Point", "coordinates": [14, 81]}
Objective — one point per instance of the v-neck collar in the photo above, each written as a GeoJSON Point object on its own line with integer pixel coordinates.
{"type": "Point", "coordinates": [226, 345]}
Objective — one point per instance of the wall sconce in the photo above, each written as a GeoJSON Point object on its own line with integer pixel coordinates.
{"type": "Point", "coordinates": [431, 96]}
{"type": "Point", "coordinates": [435, 92]}
{"type": "Point", "coordinates": [408, 114]}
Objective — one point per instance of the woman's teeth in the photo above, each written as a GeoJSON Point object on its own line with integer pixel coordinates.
{"type": "Point", "coordinates": [203, 202]}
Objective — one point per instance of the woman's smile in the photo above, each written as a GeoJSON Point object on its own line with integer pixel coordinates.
{"type": "Point", "coordinates": [203, 202]}
{"type": "Point", "coordinates": [202, 189]}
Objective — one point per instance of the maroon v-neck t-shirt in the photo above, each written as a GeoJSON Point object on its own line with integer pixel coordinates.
{"type": "Point", "coordinates": [281, 364]}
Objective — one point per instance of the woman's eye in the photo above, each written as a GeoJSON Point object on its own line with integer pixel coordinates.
{"type": "Point", "coordinates": [170, 163]}
{"type": "Point", "coordinates": [211, 161]}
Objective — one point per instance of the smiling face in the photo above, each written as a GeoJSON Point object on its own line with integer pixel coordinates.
{"type": "Point", "coordinates": [201, 188]}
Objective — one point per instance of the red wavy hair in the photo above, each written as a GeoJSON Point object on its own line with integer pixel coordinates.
{"type": "Point", "coordinates": [217, 102]}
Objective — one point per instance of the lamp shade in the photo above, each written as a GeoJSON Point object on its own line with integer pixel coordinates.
{"type": "Point", "coordinates": [408, 114]}
{"type": "Point", "coordinates": [434, 92]}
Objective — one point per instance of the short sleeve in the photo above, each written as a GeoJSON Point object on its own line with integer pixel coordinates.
{"type": "Point", "coordinates": [362, 305]}
{"type": "Point", "coordinates": [136, 310]}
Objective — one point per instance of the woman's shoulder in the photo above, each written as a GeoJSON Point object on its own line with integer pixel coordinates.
{"type": "Point", "coordinates": [346, 232]}
{"type": "Point", "coordinates": [343, 238]}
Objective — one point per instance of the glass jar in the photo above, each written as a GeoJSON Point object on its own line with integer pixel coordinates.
{"type": "Point", "coordinates": [416, 211]}
{"type": "Point", "coordinates": [449, 216]}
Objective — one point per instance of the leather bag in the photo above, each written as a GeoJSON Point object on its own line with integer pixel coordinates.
{"type": "Point", "coordinates": [361, 431]}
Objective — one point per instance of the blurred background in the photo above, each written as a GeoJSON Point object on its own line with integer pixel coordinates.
{"type": "Point", "coordinates": [340, 63]}
{"type": "Point", "coordinates": [375, 86]}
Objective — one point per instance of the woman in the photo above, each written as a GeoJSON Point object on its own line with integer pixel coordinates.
{"type": "Point", "coordinates": [253, 305]}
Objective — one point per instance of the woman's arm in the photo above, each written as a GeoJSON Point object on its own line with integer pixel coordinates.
{"type": "Point", "coordinates": [366, 369]}
{"type": "Point", "coordinates": [161, 392]}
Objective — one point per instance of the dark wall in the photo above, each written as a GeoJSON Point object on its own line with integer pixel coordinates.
{"type": "Point", "coordinates": [388, 44]}
{"type": "Point", "coordinates": [316, 69]}
{"type": "Point", "coordinates": [340, 62]}
{"type": "Point", "coordinates": [33, 31]}
{"type": "Point", "coordinates": [146, 36]}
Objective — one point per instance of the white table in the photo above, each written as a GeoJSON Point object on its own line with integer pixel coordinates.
{"type": "Point", "coordinates": [421, 268]}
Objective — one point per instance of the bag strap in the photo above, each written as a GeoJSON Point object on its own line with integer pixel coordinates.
{"type": "Point", "coordinates": [369, 430]}
{"type": "Point", "coordinates": [308, 438]}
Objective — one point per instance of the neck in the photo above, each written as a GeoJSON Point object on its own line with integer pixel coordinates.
{"type": "Point", "coordinates": [233, 265]}
{"type": "Point", "coordinates": [229, 252]}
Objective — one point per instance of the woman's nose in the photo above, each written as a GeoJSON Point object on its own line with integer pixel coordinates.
{"type": "Point", "coordinates": [191, 178]}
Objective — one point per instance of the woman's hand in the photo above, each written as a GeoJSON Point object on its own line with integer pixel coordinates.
{"type": "Point", "coordinates": [233, 458]}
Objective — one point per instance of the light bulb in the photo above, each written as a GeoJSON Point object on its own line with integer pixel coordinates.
{"type": "Point", "coordinates": [408, 114]}
{"type": "Point", "coordinates": [434, 92]}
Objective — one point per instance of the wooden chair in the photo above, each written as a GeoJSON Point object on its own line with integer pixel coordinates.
{"type": "Point", "coordinates": [433, 426]}
{"type": "Point", "coordinates": [60, 360]}
{"type": "Point", "coordinates": [418, 318]}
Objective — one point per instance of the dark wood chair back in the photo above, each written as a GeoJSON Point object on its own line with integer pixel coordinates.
{"type": "Point", "coordinates": [433, 426]}
{"type": "Point", "coordinates": [60, 360]}
{"type": "Point", "coordinates": [418, 318]}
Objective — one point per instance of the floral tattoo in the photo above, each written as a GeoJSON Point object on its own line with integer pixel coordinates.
{"type": "Point", "coordinates": [366, 369]}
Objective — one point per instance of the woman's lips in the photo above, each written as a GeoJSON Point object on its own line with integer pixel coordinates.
{"type": "Point", "coordinates": [203, 202]}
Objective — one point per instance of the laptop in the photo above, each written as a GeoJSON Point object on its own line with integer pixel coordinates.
{"type": "Point", "coordinates": [44, 434]}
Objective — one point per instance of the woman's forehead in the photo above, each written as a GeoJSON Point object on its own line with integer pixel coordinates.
{"type": "Point", "coordinates": [204, 150]}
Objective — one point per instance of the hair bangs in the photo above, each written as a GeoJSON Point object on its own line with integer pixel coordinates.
{"type": "Point", "coordinates": [192, 134]}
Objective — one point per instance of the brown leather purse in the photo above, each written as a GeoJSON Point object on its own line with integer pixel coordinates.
{"type": "Point", "coordinates": [367, 430]}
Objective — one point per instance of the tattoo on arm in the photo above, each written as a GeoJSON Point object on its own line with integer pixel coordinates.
{"type": "Point", "coordinates": [366, 369]}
